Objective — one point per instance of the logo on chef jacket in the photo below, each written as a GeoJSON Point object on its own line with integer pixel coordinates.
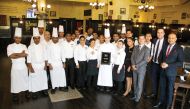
{"type": "Point", "coordinates": [86, 48]}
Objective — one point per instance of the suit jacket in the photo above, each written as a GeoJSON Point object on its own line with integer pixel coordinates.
{"type": "Point", "coordinates": [165, 44]}
{"type": "Point", "coordinates": [174, 60]}
{"type": "Point", "coordinates": [140, 57]}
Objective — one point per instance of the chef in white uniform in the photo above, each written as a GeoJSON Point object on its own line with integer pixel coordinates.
{"type": "Point", "coordinates": [37, 64]}
{"type": "Point", "coordinates": [105, 70]}
{"type": "Point", "coordinates": [41, 27]}
{"type": "Point", "coordinates": [123, 33]}
{"type": "Point", "coordinates": [56, 61]}
{"type": "Point", "coordinates": [19, 73]}
{"type": "Point", "coordinates": [45, 43]}
{"type": "Point", "coordinates": [61, 34]}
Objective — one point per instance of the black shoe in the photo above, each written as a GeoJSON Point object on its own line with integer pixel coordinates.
{"type": "Point", "coordinates": [45, 92]}
{"type": "Point", "coordinates": [133, 98]}
{"type": "Point", "coordinates": [158, 105]}
{"type": "Point", "coordinates": [136, 102]}
{"type": "Point", "coordinates": [84, 88]}
{"type": "Point", "coordinates": [151, 96]}
{"type": "Point", "coordinates": [72, 87]}
{"type": "Point", "coordinates": [102, 89]}
{"type": "Point", "coordinates": [64, 89]}
{"type": "Point", "coordinates": [27, 95]}
{"type": "Point", "coordinates": [34, 96]}
{"type": "Point", "coordinates": [108, 89]}
{"type": "Point", "coordinates": [168, 107]}
{"type": "Point", "coordinates": [15, 98]}
{"type": "Point", "coordinates": [53, 91]}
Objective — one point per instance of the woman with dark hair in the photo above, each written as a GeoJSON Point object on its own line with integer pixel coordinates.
{"type": "Point", "coordinates": [128, 68]}
{"type": "Point", "coordinates": [118, 69]}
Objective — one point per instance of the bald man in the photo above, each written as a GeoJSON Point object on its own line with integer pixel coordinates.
{"type": "Point", "coordinates": [171, 58]}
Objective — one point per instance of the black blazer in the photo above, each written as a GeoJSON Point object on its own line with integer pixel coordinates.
{"type": "Point", "coordinates": [174, 60]}
{"type": "Point", "coordinates": [165, 44]}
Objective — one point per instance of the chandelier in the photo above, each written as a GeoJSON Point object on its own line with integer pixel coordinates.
{"type": "Point", "coordinates": [97, 5]}
{"type": "Point", "coordinates": [145, 5]}
{"type": "Point", "coordinates": [31, 1]}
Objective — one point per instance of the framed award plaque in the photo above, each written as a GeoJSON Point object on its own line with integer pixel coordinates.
{"type": "Point", "coordinates": [106, 58]}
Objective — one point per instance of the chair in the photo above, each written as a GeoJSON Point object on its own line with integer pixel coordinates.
{"type": "Point", "coordinates": [182, 93]}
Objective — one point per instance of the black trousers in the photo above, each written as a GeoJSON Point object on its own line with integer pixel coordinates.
{"type": "Point", "coordinates": [118, 86]}
{"type": "Point", "coordinates": [147, 79]}
{"type": "Point", "coordinates": [155, 77]}
{"type": "Point", "coordinates": [48, 77]}
{"type": "Point", "coordinates": [92, 80]}
{"type": "Point", "coordinates": [81, 77]}
{"type": "Point", "coordinates": [70, 72]}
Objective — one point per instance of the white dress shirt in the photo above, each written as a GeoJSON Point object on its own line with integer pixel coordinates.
{"type": "Point", "coordinates": [171, 47]}
{"type": "Point", "coordinates": [68, 49]}
{"type": "Point", "coordinates": [119, 58]}
{"type": "Point", "coordinates": [80, 53]}
{"type": "Point", "coordinates": [159, 49]}
{"type": "Point", "coordinates": [92, 53]}
{"type": "Point", "coordinates": [149, 46]}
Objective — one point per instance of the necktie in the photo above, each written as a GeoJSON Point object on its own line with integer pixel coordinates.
{"type": "Point", "coordinates": [139, 47]}
{"type": "Point", "coordinates": [168, 51]}
{"type": "Point", "coordinates": [156, 54]}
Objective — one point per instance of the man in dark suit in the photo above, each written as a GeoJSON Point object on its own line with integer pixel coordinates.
{"type": "Point", "coordinates": [171, 58]}
{"type": "Point", "coordinates": [159, 43]}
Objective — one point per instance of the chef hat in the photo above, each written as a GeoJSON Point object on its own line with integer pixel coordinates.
{"type": "Point", "coordinates": [107, 32]}
{"type": "Point", "coordinates": [41, 23]}
{"type": "Point", "coordinates": [61, 28]}
{"type": "Point", "coordinates": [18, 32]}
{"type": "Point", "coordinates": [36, 32]}
{"type": "Point", "coordinates": [54, 33]}
{"type": "Point", "coordinates": [123, 30]}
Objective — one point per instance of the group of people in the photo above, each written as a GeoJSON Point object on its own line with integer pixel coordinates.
{"type": "Point", "coordinates": [115, 64]}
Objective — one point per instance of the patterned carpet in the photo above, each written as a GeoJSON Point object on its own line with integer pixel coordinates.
{"type": "Point", "coordinates": [63, 96]}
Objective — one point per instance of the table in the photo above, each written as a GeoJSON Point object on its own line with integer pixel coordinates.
{"type": "Point", "coordinates": [180, 84]}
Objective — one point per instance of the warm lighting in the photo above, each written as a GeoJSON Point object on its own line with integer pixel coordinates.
{"type": "Point", "coordinates": [50, 22]}
{"type": "Point", "coordinates": [48, 6]}
{"type": "Point", "coordinates": [97, 5]}
{"type": "Point", "coordinates": [152, 26]}
{"type": "Point", "coordinates": [21, 21]}
{"type": "Point", "coordinates": [106, 24]}
{"type": "Point", "coordinates": [42, 5]}
{"type": "Point", "coordinates": [33, 5]}
{"type": "Point", "coordinates": [136, 25]}
{"type": "Point", "coordinates": [145, 5]}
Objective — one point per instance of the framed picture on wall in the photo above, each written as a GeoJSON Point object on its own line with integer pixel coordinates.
{"type": "Point", "coordinates": [162, 20]}
{"type": "Point", "coordinates": [122, 10]}
{"type": "Point", "coordinates": [52, 13]}
{"type": "Point", "coordinates": [154, 16]}
{"type": "Point", "coordinates": [174, 21]}
{"type": "Point", "coordinates": [183, 15]}
{"type": "Point", "coordinates": [105, 14]}
{"type": "Point", "coordinates": [100, 16]}
{"type": "Point", "coordinates": [119, 17]}
{"type": "Point", "coordinates": [110, 12]}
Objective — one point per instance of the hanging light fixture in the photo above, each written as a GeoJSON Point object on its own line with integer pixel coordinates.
{"type": "Point", "coordinates": [145, 5]}
{"type": "Point", "coordinates": [97, 5]}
